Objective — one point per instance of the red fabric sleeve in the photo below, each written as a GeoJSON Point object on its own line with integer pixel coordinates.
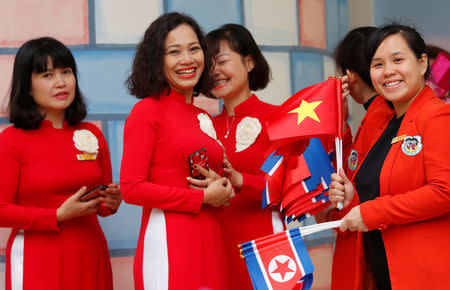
{"type": "Point", "coordinates": [433, 198]}
{"type": "Point", "coordinates": [140, 135]}
{"type": "Point", "coordinates": [11, 214]}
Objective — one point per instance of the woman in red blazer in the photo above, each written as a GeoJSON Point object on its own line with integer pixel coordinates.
{"type": "Point", "coordinates": [402, 204]}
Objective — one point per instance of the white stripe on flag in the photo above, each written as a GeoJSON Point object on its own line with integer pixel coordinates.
{"type": "Point", "coordinates": [17, 261]}
{"type": "Point", "coordinates": [305, 187]}
{"type": "Point", "coordinates": [261, 265]}
{"type": "Point", "coordinates": [277, 224]}
{"type": "Point", "coordinates": [275, 167]}
{"type": "Point", "coordinates": [268, 201]}
{"type": "Point", "coordinates": [294, 250]}
{"type": "Point", "coordinates": [325, 186]}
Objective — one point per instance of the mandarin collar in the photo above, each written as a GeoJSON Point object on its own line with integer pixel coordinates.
{"type": "Point", "coordinates": [176, 96]}
{"type": "Point", "coordinates": [246, 108]}
{"type": "Point", "coordinates": [49, 125]}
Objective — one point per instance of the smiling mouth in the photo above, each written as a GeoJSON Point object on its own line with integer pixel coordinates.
{"type": "Point", "coordinates": [219, 84]}
{"type": "Point", "coordinates": [391, 84]}
{"type": "Point", "coordinates": [186, 73]}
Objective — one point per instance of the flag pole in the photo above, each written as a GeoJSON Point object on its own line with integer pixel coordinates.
{"type": "Point", "coordinates": [338, 140]}
{"type": "Point", "coordinates": [338, 145]}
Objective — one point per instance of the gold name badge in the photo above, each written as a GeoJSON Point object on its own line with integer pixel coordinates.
{"type": "Point", "coordinates": [398, 139]}
{"type": "Point", "coordinates": [86, 157]}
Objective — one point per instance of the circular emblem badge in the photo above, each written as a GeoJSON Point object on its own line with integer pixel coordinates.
{"type": "Point", "coordinates": [412, 145]}
{"type": "Point", "coordinates": [282, 268]}
{"type": "Point", "coordinates": [353, 160]}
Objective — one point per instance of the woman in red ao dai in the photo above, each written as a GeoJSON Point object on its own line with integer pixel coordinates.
{"type": "Point", "coordinates": [49, 159]}
{"type": "Point", "coordinates": [240, 67]}
{"type": "Point", "coordinates": [180, 241]}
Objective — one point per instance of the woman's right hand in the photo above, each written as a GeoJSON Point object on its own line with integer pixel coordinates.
{"type": "Point", "coordinates": [232, 174]}
{"type": "Point", "coordinates": [210, 176]}
{"type": "Point", "coordinates": [73, 207]}
{"type": "Point", "coordinates": [341, 189]}
{"type": "Point", "coordinates": [218, 192]}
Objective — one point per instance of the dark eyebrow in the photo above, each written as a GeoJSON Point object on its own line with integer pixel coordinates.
{"type": "Point", "coordinates": [178, 45]}
{"type": "Point", "coordinates": [222, 54]}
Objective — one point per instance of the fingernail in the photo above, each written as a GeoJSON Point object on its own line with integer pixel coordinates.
{"type": "Point", "coordinates": [187, 178]}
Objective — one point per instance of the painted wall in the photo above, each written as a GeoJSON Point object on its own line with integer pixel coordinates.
{"type": "Point", "coordinates": [296, 36]}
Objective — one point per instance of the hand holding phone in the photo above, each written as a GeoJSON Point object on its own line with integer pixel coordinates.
{"type": "Point", "coordinates": [93, 193]}
{"type": "Point", "coordinates": [198, 158]}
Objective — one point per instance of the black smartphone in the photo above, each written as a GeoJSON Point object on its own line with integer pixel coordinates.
{"type": "Point", "coordinates": [93, 193]}
{"type": "Point", "coordinates": [198, 158]}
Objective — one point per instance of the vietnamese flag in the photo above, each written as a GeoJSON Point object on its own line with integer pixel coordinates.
{"type": "Point", "coordinates": [311, 112]}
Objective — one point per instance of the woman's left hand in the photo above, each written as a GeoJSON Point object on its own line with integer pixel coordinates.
{"type": "Point", "coordinates": [353, 221]}
{"type": "Point", "coordinates": [113, 197]}
{"type": "Point", "coordinates": [210, 176]}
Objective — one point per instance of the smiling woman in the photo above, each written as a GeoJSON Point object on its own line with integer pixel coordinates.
{"type": "Point", "coordinates": [399, 198]}
{"type": "Point", "coordinates": [183, 60]}
{"type": "Point", "coordinates": [180, 242]}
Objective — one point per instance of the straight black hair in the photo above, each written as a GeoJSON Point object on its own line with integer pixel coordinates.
{"type": "Point", "coordinates": [349, 54]}
{"type": "Point", "coordinates": [34, 56]}
{"type": "Point", "coordinates": [411, 35]}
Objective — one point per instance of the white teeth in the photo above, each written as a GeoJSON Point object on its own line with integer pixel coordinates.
{"type": "Point", "coordinates": [221, 82]}
{"type": "Point", "coordinates": [186, 72]}
{"type": "Point", "coordinates": [391, 84]}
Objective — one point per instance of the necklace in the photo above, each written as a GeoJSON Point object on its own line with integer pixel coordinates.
{"type": "Point", "coordinates": [229, 128]}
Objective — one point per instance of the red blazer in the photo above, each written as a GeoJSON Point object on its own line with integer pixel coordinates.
{"type": "Point", "coordinates": [346, 259]}
{"type": "Point", "coordinates": [412, 211]}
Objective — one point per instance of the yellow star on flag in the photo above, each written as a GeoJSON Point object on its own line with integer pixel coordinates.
{"type": "Point", "coordinates": [306, 110]}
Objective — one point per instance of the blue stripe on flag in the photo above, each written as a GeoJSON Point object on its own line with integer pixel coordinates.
{"type": "Point", "coordinates": [265, 196]}
{"type": "Point", "coordinates": [318, 164]}
{"type": "Point", "coordinates": [270, 162]}
{"type": "Point", "coordinates": [302, 252]}
{"type": "Point", "coordinates": [256, 274]}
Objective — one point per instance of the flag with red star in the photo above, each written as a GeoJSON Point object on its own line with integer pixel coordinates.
{"type": "Point", "coordinates": [312, 112]}
{"type": "Point", "coordinates": [279, 261]}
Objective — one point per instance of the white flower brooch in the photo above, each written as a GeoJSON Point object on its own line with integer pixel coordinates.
{"type": "Point", "coordinates": [246, 133]}
{"type": "Point", "coordinates": [206, 125]}
{"type": "Point", "coordinates": [86, 142]}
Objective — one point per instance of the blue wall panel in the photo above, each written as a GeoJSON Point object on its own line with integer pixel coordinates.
{"type": "Point", "coordinates": [307, 69]}
{"type": "Point", "coordinates": [210, 14]}
{"type": "Point", "coordinates": [102, 75]}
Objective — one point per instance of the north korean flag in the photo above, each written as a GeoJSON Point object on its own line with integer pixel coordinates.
{"type": "Point", "coordinates": [279, 261]}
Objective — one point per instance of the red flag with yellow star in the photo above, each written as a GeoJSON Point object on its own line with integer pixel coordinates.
{"type": "Point", "coordinates": [311, 112]}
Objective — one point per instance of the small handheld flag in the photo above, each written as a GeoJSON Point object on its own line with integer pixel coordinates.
{"type": "Point", "coordinates": [298, 186]}
{"type": "Point", "coordinates": [281, 260]}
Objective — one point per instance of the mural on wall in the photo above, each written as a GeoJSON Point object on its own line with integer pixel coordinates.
{"type": "Point", "coordinates": [296, 36]}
